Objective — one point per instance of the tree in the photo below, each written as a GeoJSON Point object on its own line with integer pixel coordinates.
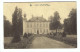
{"type": "Point", "coordinates": [20, 22]}
{"type": "Point", "coordinates": [7, 28]}
{"type": "Point", "coordinates": [73, 21]}
{"type": "Point", "coordinates": [51, 22]}
{"type": "Point", "coordinates": [67, 25]}
{"type": "Point", "coordinates": [17, 24]}
{"type": "Point", "coordinates": [55, 21]}
{"type": "Point", "coordinates": [70, 24]}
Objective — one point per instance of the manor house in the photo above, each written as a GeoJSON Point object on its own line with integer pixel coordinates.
{"type": "Point", "coordinates": [36, 25]}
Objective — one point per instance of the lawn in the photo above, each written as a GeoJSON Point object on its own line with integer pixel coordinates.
{"type": "Point", "coordinates": [24, 43]}
{"type": "Point", "coordinates": [69, 39]}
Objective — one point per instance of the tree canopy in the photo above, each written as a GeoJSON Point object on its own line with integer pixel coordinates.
{"type": "Point", "coordinates": [7, 28]}
{"type": "Point", "coordinates": [55, 21]}
{"type": "Point", "coordinates": [17, 24]}
{"type": "Point", "coordinates": [70, 24]}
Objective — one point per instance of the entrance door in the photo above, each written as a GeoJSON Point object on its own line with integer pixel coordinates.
{"type": "Point", "coordinates": [37, 31]}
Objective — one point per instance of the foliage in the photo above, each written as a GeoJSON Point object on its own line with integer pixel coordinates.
{"type": "Point", "coordinates": [7, 28]}
{"type": "Point", "coordinates": [17, 24]}
{"type": "Point", "coordinates": [55, 21]}
{"type": "Point", "coordinates": [27, 35]}
{"type": "Point", "coordinates": [70, 24]}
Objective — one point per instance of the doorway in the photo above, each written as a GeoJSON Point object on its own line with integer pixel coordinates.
{"type": "Point", "coordinates": [37, 31]}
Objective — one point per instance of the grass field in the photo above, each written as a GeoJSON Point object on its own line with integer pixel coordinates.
{"type": "Point", "coordinates": [69, 39]}
{"type": "Point", "coordinates": [24, 43]}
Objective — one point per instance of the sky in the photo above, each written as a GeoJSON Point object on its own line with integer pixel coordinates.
{"type": "Point", "coordinates": [46, 9]}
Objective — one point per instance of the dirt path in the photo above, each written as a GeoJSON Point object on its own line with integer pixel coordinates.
{"type": "Point", "coordinates": [44, 42]}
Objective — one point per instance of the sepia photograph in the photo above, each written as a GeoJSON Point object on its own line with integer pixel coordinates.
{"type": "Point", "coordinates": [40, 25]}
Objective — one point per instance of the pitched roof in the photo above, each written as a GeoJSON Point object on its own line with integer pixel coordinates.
{"type": "Point", "coordinates": [36, 19]}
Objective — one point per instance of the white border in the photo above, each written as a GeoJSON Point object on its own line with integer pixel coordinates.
{"type": "Point", "coordinates": [38, 50]}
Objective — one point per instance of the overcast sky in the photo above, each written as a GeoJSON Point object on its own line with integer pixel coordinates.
{"type": "Point", "coordinates": [37, 9]}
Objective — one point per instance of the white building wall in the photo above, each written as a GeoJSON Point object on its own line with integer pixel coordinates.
{"type": "Point", "coordinates": [33, 27]}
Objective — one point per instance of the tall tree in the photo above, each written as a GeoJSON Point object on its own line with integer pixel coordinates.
{"type": "Point", "coordinates": [73, 21]}
{"type": "Point", "coordinates": [17, 24]}
{"type": "Point", "coordinates": [7, 28]}
{"type": "Point", "coordinates": [55, 22]}
{"type": "Point", "coordinates": [51, 22]}
{"type": "Point", "coordinates": [67, 25]}
{"type": "Point", "coordinates": [70, 24]}
{"type": "Point", "coordinates": [20, 28]}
